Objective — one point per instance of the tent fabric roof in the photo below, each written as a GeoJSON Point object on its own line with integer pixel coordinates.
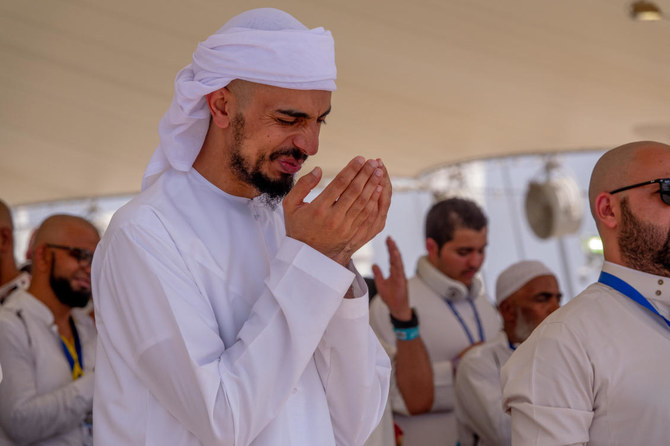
{"type": "Point", "coordinates": [420, 84]}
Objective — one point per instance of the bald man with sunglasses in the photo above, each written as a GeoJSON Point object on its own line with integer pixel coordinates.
{"type": "Point", "coordinates": [47, 350]}
{"type": "Point", "coordinates": [596, 371]}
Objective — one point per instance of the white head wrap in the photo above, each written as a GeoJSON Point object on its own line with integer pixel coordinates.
{"type": "Point", "coordinates": [266, 46]}
{"type": "Point", "coordinates": [517, 275]}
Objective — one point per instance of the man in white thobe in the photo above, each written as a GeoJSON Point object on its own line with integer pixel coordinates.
{"type": "Point", "coordinates": [48, 350]}
{"type": "Point", "coordinates": [596, 371]}
{"type": "Point", "coordinates": [526, 293]}
{"type": "Point", "coordinates": [428, 322]}
{"type": "Point", "coordinates": [224, 318]}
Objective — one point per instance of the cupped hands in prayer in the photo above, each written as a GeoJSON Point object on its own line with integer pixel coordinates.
{"type": "Point", "coordinates": [348, 213]}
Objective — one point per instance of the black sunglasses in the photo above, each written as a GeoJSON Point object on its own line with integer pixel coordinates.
{"type": "Point", "coordinates": [83, 256]}
{"type": "Point", "coordinates": [664, 190]}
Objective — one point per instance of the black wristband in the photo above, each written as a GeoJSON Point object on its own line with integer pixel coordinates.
{"type": "Point", "coordinates": [414, 322]}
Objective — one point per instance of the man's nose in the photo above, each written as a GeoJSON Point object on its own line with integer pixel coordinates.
{"type": "Point", "coordinates": [475, 260]}
{"type": "Point", "coordinates": [308, 139]}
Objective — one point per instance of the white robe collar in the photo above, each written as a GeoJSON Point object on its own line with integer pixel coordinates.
{"type": "Point", "coordinates": [655, 288]}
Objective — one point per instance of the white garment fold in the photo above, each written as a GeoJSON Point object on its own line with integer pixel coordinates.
{"type": "Point", "coordinates": [479, 413]}
{"type": "Point", "coordinates": [216, 328]}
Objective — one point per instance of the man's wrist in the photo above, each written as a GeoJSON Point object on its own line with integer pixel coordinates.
{"type": "Point", "coordinates": [406, 330]}
{"type": "Point", "coordinates": [412, 322]}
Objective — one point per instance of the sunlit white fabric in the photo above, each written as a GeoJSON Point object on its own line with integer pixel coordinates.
{"type": "Point", "coordinates": [215, 328]}
{"type": "Point", "coordinates": [595, 371]}
{"type": "Point", "coordinates": [479, 414]}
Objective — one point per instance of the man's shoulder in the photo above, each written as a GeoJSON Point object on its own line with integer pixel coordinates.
{"type": "Point", "coordinates": [582, 308]}
{"type": "Point", "coordinates": [484, 353]}
{"type": "Point", "coordinates": [15, 313]}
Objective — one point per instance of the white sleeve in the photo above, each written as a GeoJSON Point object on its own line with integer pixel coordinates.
{"type": "Point", "coordinates": [479, 401]}
{"type": "Point", "coordinates": [354, 369]}
{"type": "Point", "coordinates": [548, 387]}
{"type": "Point", "coordinates": [148, 298]}
{"type": "Point", "coordinates": [26, 415]}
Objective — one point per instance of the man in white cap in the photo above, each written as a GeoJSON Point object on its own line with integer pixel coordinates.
{"type": "Point", "coordinates": [596, 371]}
{"type": "Point", "coordinates": [526, 293]}
{"type": "Point", "coordinates": [225, 319]}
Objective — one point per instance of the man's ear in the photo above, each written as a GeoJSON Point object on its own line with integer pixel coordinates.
{"type": "Point", "coordinates": [42, 258]}
{"type": "Point", "coordinates": [219, 103]}
{"type": "Point", "coordinates": [507, 312]}
{"type": "Point", "coordinates": [607, 209]}
{"type": "Point", "coordinates": [432, 249]}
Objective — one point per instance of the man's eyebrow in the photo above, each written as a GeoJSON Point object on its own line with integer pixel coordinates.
{"type": "Point", "coordinates": [300, 114]}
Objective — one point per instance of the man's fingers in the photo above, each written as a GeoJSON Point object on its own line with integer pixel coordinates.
{"type": "Point", "coordinates": [302, 188]}
{"type": "Point", "coordinates": [366, 216]}
{"type": "Point", "coordinates": [340, 183]}
{"type": "Point", "coordinates": [377, 273]}
{"type": "Point", "coordinates": [367, 200]}
{"type": "Point", "coordinates": [396, 257]}
{"type": "Point", "coordinates": [354, 196]}
{"type": "Point", "coordinates": [385, 198]}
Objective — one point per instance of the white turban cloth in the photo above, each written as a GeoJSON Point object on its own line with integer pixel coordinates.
{"type": "Point", "coordinates": [265, 46]}
{"type": "Point", "coordinates": [517, 275]}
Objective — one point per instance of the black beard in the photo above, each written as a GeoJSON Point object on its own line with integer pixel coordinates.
{"type": "Point", "coordinates": [65, 293]}
{"type": "Point", "coordinates": [643, 246]}
{"type": "Point", "coordinates": [272, 191]}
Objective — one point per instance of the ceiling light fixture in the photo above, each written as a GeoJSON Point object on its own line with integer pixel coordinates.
{"type": "Point", "coordinates": [645, 11]}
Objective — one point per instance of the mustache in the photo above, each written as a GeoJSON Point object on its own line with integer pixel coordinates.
{"type": "Point", "coordinates": [294, 152]}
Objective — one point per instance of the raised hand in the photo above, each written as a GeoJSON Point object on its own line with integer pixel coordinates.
{"type": "Point", "coordinates": [393, 289]}
{"type": "Point", "coordinates": [336, 222]}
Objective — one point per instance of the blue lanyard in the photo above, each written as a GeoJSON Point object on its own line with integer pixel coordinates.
{"type": "Point", "coordinates": [465, 327]}
{"type": "Point", "coordinates": [77, 347]}
{"type": "Point", "coordinates": [627, 290]}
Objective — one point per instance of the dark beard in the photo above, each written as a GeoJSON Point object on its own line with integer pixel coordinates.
{"type": "Point", "coordinates": [65, 293]}
{"type": "Point", "coordinates": [272, 191]}
{"type": "Point", "coordinates": [643, 246]}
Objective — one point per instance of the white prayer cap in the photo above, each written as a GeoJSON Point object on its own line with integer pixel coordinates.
{"type": "Point", "coordinates": [266, 46]}
{"type": "Point", "coordinates": [516, 276]}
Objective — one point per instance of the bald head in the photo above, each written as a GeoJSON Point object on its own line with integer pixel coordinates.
{"type": "Point", "coordinates": [65, 229]}
{"type": "Point", "coordinates": [622, 166]}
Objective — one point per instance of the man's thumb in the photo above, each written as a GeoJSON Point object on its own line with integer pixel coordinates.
{"type": "Point", "coordinates": [302, 188]}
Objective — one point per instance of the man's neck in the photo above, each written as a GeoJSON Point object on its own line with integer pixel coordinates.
{"type": "Point", "coordinates": [60, 311]}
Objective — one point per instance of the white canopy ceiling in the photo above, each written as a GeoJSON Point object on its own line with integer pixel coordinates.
{"type": "Point", "coordinates": [421, 83]}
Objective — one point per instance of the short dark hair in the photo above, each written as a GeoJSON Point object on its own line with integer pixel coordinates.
{"type": "Point", "coordinates": [453, 213]}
